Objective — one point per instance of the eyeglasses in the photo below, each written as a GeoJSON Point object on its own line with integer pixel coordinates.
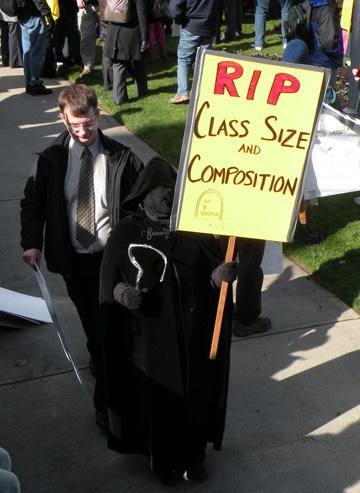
{"type": "Point", "coordinates": [76, 126]}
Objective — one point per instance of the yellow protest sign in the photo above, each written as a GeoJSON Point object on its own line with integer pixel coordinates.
{"type": "Point", "coordinates": [249, 130]}
{"type": "Point", "coordinates": [346, 15]}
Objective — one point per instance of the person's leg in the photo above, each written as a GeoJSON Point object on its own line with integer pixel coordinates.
{"type": "Point", "coordinates": [73, 37]}
{"type": "Point", "coordinates": [49, 67]}
{"type": "Point", "coordinates": [261, 10]}
{"type": "Point", "coordinates": [138, 71]}
{"type": "Point", "coordinates": [34, 49]}
{"type": "Point", "coordinates": [239, 15]}
{"type": "Point", "coordinates": [119, 83]}
{"type": "Point", "coordinates": [106, 63]}
{"type": "Point", "coordinates": [195, 459]}
{"type": "Point", "coordinates": [4, 39]}
{"type": "Point", "coordinates": [15, 48]}
{"type": "Point", "coordinates": [249, 280]}
{"type": "Point", "coordinates": [285, 5]}
{"type": "Point", "coordinates": [230, 12]}
{"type": "Point", "coordinates": [188, 44]}
{"type": "Point", "coordinates": [160, 38]}
{"type": "Point", "coordinates": [88, 21]}
{"type": "Point", "coordinates": [25, 41]}
{"type": "Point", "coordinates": [151, 30]}
{"type": "Point", "coordinates": [83, 290]}
{"type": "Point", "coordinates": [37, 47]}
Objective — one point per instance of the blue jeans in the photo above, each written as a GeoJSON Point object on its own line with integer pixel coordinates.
{"type": "Point", "coordinates": [186, 52]}
{"type": "Point", "coordinates": [33, 36]}
{"type": "Point", "coordinates": [261, 11]}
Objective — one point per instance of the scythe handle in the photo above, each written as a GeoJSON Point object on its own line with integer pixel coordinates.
{"type": "Point", "coordinates": [222, 300]}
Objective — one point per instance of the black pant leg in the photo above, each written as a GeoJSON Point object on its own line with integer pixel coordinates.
{"type": "Point", "coordinates": [249, 280]}
{"type": "Point", "coordinates": [5, 55]}
{"type": "Point", "coordinates": [83, 290]}
{"type": "Point", "coordinates": [15, 47]}
{"type": "Point", "coordinates": [119, 80]}
{"type": "Point", "coordinates": [140, 76]}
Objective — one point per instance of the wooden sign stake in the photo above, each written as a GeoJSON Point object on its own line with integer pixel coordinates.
{"type": "Point", "coordinates": [222, 300]}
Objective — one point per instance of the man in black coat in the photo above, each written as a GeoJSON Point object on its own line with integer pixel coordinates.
{"type": "Point", "coordinates": [49, 210]}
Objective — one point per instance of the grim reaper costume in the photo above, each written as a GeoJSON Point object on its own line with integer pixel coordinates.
{"type": "Point", "coordinates": [166, 398]}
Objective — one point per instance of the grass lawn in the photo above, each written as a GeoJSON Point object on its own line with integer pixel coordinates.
{"type": "Point", "coordinates": [335, 262]}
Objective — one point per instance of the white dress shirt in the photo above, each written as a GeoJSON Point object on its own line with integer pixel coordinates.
{"type": "Point", "coordinates": [102, 222]}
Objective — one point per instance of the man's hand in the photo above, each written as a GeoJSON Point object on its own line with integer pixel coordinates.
{"type": "Point", "coordinates": [225, 272]}
{"type": "Point", "coordinates": [32, 257]}
{"type": "Point", "coordinates": [81, 4]}
{"type": "Point", "coordinates": [144, 47]}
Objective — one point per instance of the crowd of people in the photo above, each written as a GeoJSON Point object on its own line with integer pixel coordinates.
{"type": "Point", "coordinates": [146, 296]}
{"type": "Point", "coordinates": [46, 34]}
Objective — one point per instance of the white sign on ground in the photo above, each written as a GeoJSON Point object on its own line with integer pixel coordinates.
{"type": "Point", "coordinates": [17, 307]}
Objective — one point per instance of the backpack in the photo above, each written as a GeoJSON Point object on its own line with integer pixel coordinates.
{"type": "Point", "coordinates": [117, 11]}
{"type": "Point", "coordinates": [298, 23]}
{"type": "Point", "coordinates": [12, 7]}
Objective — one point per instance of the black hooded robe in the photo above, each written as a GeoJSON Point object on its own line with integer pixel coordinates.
{"type": "Point", "coordinates": [166, 398]}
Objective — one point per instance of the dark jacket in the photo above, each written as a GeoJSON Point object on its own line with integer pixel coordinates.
{"type": "Point", "coordinates": [161, 383]}
{"type": "Point", "coordinates": [44, 202]}
{"type": "Point", "coordinates": [123, 41]}
{"type": "Point", "coordinates": [34, 8]}
{"type": "Point", "coordinates": [200, 17]}
{"type": "Point", "coordinates": [327, 47]}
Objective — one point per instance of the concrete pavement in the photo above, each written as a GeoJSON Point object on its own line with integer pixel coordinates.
{"type": "Point", "coordinates": [294, 401]}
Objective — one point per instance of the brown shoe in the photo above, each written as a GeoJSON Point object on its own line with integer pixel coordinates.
{"type": "Point", "coordinates": [87, 72]}
{"type": "Point", "coordinates": [261, 324]}
{"type": "Point", "coordinates": [179, 99]}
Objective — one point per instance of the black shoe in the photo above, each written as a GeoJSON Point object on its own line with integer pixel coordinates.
{"type": "Point", "coordinates": [261, 324]}
{"type": "Point", "coordinates": [305, 236]}
{"type": "Point", "coordinates": [170, 477]}
{"type": "Point", "coordinates": [102, 420]}
{"type": "Point", "coordinates": [37, 90]}
{"type": "Point", "coordinates": [227, 39]}
{"type": "Point", "coordinates": [197, 473]}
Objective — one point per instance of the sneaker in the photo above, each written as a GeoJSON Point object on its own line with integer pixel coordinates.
{"type": "Point", "coordinates": [197, 473]}
{"type": "Point", "coordinates": [87, 72]}
{"type": "Point", "coordinates": [37, 90]}
{"type": "Point", "coordinates": [179, 99]}
{"type": "Point", "coordinates": [261, 324]}
{"type": "Point", "coordinates": [257, 48]}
